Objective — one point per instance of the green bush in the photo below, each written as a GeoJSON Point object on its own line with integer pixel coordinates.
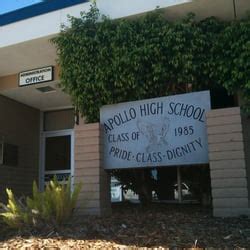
{"type": "Point", "coordinates": [54, 205]}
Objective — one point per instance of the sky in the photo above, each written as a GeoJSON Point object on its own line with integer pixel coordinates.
{"type": "Point", "coordinates": [10, 5]}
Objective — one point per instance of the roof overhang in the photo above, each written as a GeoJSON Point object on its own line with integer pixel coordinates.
{"type": "Point", "coordinates": [25, 44]}
{"type": "Point", "coordinates": [44, 101]}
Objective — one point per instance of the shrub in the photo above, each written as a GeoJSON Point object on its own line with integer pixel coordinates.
{"type": "Point", "coordinates": [54, 205]}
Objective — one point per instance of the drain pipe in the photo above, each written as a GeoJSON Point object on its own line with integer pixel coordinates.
{"type": "Point", "coordinates": [234, 8]}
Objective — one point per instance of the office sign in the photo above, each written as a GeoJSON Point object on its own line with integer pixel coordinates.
{"type": "Point", "coordinates": [163, 131]}
{"type": "Point", "coordinates": [36, 76]}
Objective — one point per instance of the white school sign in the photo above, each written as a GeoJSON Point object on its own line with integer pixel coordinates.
{"type": "Point", "coordinates": [164, 131]}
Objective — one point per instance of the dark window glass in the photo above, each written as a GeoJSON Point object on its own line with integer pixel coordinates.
{"type": "Point", "coordinates": [59, 120]}
{"type": "Point", "coordinates": [57, 153]}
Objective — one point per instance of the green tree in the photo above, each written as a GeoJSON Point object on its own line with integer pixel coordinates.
{"type": "Point", "coordinates": [107, 61]}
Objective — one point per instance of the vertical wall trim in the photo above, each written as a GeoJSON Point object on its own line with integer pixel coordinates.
{"type": "Point", "coordinates": [72, 163]}
{"type": "Point", "coordinates": [41, 143]}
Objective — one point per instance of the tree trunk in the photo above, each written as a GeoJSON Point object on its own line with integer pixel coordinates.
{"type": "Point", "coordinates": [144, 188]}
{"type": "Point", "coordinates": [165, 185]}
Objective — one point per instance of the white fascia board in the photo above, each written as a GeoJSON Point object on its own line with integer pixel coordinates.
{"type": "Point", "coordinates": [123, 8]}
{"type": "Point", "coordinates": [39, 26]}
{"type": "Point", "coordinates": [49, 24]}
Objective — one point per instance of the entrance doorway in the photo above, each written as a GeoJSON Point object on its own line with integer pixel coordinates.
{"type": "Point", "coordinates": [57, 156]}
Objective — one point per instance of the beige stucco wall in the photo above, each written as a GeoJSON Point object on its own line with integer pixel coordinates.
{"type": "Point", "coordinates": [94, 198]}
{"type": "Point", "coordinates": [11, 81]}
{"type": "Point", "coordinates": [19, 125]}
{"type": "Point", "coordinates": [229, 161]}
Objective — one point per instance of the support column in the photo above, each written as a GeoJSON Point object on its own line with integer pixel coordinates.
{"type": "Point", "coordinates": [94, 198]}
{"type": "Point", "coordinates": [227, 162]}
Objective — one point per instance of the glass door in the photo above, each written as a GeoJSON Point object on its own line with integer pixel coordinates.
{"type": "Point", "coordinates": [58, 156]}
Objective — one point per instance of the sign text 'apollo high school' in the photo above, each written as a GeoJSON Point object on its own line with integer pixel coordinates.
{"type": "Point", "coordinates": [156, 132]}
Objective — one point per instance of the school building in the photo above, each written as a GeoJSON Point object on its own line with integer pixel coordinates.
{"type": "Point", "coordinates": [38, 134]}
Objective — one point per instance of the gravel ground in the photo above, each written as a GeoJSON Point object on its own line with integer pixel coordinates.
{"type": "Point", "coordinates": [131, 226]}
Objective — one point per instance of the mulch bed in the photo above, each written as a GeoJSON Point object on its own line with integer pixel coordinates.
{"type": "Point", "coordinates": [130, 225]}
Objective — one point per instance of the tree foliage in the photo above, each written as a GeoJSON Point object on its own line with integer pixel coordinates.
{"type": "Point", "coordinates": [107, 61]}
